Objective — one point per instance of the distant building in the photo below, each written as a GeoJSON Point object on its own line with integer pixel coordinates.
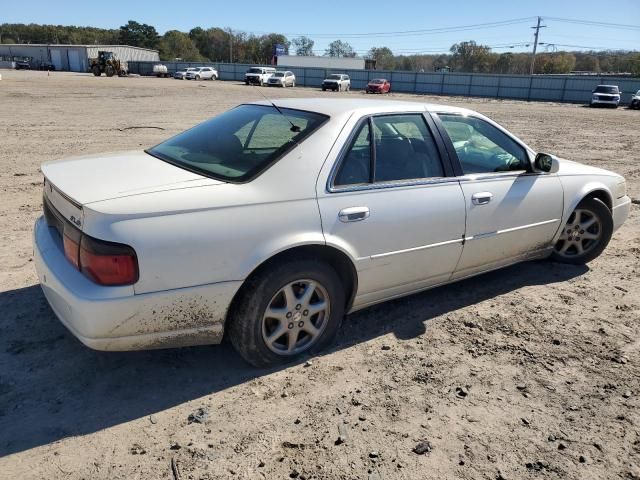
{"type": "Point", "coordinates": [71, 58]}
{"type": "Point", "coordinates": [312, 61]}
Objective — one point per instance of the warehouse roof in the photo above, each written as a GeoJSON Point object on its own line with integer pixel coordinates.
{"type": "Point", "coordinates": [73, 45]}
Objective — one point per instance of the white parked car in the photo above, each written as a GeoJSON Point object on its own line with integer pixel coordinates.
{"type": "Point", "coordinates": [202, 73]}
{"type": "Point", "coordinates": [608, 95]}
{"type": "Point", "coordinates": [272, 223]}
{"type": "Point", "coordinates": [258, 75]}
{"type": "Point", "coordinates": [337, 82]}
{"type": "Point", "coordinates": [182, 74]}
{"type": "Point", "coordinates": [282, 79]}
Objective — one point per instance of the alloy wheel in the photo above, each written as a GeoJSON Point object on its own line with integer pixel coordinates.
{"type": "Point", "coordinates": [296, 317]}
{"type": "Point", "coordinates": [580, 235]}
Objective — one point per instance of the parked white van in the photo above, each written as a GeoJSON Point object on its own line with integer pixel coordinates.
{"type": "Point", "coordinates": [258, 75]}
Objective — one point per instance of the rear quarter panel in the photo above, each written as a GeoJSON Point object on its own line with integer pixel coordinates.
{"type": "Point", "coordinates": [197, 236]}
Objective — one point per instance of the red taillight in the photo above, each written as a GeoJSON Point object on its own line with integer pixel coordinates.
{"type": "Point", "coordinates": [108, 263]}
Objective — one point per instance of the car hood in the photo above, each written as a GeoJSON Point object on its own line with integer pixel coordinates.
{"type": "Point", "coordinates": [330, 80]}
{"type": "Point", "coordinates": [569, 167]}
{"type": "Point", "coordinates": [93, 178]}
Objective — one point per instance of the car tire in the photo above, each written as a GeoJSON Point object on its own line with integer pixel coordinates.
{"type": "Point", "coordinates": [324, 89]}
{"type": "Point", "coordinates": [197, 77]}
{"type": "Point", "coordinates": [590, 218]}
{"type": "Point", "coordinates": [250, 326]}
{"type": "Point", "coordinates": [96, 70]}
{"type": "Point", "coordinates": [293, 84]}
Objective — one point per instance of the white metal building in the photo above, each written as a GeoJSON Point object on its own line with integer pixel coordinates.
{"type": "Point", "coordinates": [73, 58]}
{"type": "Point", "coordinates": [345, 63]}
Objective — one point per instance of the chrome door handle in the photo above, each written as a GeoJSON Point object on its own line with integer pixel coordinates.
{"type": "Point", "coordinates": [481, 198]}
{"type": "Point", "coordinates": [353, 214]}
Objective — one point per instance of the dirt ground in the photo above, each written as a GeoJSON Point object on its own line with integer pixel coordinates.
{"type": "Point", "coordinates": [528, 372]}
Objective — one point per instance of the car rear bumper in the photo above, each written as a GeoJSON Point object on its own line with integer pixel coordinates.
{"type": "Point", "coordinates": [621, 212]}
{"type": "Point", "coordinates": [114, 318]}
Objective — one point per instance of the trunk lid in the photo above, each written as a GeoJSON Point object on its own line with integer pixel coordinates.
{"type": "Point", "coordinates": [93, 178]}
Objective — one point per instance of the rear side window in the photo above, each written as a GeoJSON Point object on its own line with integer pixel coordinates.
{"type": "Point", "coordinates": [393, 148]}
{"type": "Point", "coordinates": [356, 166]}
{"type": "Point", "coordinates": [240, 143]}
{"type": "Point", "coordinates": [405, 149]}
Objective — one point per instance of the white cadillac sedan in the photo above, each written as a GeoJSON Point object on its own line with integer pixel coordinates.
{"type": "Point", "coordinates": [270, 222]}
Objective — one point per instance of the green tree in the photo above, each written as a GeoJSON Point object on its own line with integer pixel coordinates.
{"type": "Point", "coordinates": [303, 46]}
{"type": "Point", "coordinates": [139, 35]}
{"type": "Point", "coordinates": [384, 58]}
{"type": "Point", "coordinates": [471, 57]}
{"type": "Point", "coordinates": [175, 44]}
{"type": "Point", "coordinates": [338, 48]}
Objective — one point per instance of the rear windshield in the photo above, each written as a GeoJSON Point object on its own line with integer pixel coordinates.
{"type": "Point", "coordinates": [606, 89]}
{"type": "Point", "coordinates": [239, 144]}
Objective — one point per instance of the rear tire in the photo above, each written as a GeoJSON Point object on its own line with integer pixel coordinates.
{"type": "Point", "coordinates": [304, 296]}
{"type": "Point", "coordinates": [96, 70]}
{"type": "Point", "coordinates": [586, 234]}
{"type": "Point", "coordinates": [110, 71]}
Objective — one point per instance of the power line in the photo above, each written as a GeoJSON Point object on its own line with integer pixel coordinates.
{"type": "Point", "coordinates": [594, 23]}
{"type": "Point", "coordinates": [428, 31]}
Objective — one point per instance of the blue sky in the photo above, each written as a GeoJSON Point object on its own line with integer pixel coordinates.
{"type": "Point", "coordinates": [327, 21]}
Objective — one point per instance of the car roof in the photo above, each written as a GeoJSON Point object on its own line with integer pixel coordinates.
{"type": "Point", "coordinates": [616, 86]}
{"type": "Point", "coordinates": [336, 107]}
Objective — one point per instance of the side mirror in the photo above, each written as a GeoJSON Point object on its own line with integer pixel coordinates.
{"type": "Point", "coordinates": [546, 162]}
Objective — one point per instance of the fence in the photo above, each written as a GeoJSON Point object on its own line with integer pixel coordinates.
{"type": "Point", "coordinates": [552, 88]}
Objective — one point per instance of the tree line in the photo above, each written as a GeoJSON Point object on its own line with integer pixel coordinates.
{"type": "Point", "coordinates": [225, 45]}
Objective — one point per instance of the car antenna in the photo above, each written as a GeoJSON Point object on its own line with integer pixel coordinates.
{"type": "Point", "coordinates": [294, 128]}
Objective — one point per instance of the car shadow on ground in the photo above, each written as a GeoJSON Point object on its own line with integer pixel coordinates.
{"type": "Point", "coordinates": [52, 387]}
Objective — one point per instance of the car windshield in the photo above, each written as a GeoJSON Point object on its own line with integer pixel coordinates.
{"type": "Point", "coordinates": [255, 70]}
{"type": "Point", "coordinates": [335, 77]}
{"type": "Point", "coordinates": [377, 80]}
{"type": "Point", "coordinates": [240, 143]}
{"type": "Point", "coordinates": [606, 89]}
{"type": "Point", "coordinates": [278, 74]}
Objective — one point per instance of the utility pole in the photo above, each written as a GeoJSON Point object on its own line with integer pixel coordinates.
{"type": "Point", "coordinates": [230, 45]}
{"type": "Point", "coordinates": [535, 44]}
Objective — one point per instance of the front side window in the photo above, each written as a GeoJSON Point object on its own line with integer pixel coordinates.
{"type": "Point", "coordinates": [403, 149]}
{"type": "Point", "coordinates": [481, 147]}
{"type": "Point", "coordinates": [240, 143]}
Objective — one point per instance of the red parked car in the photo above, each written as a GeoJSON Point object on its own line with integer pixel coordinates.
{"type": "Point", "coordinates": [379, 85]}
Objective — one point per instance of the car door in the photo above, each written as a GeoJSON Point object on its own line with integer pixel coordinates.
{"type": "Point", "coordinates": [512, 211]}
{"type": "Point", "coordinates": [392, 203]}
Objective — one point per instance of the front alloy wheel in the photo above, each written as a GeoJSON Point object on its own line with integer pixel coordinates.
{"type": "Point", "coordinates": [586, 233]}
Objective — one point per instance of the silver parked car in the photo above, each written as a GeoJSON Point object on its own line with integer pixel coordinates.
{"type": "Point", "coordinates": [182, 74]}
{"type": "Point", "coordinates": [282, 79]}
{"type": "Point", "coordinates": [337, 82]}
{"type": "Point", "coordinates": [271, 221]}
